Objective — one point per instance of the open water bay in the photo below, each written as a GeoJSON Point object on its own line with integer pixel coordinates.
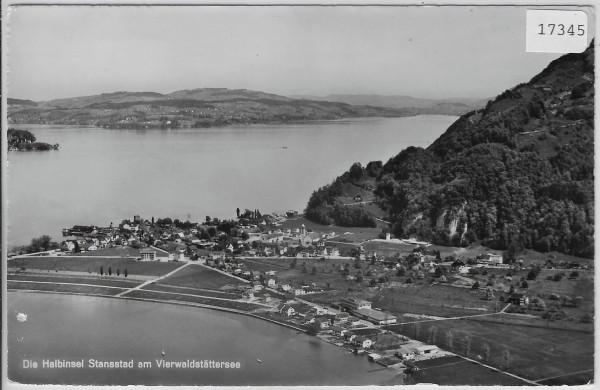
{"type": "Point", "coordinates": [100, 176]}
{"type": "Point", "coordinates": [76, 328]}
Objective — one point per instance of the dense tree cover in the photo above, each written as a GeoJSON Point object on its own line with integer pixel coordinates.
{"type": "Point", "coordinates": [25, 140]}
{"type": "Point", "coordinates": [492, 177]}
{"type": "Point", "coordinates": [41, 244]}
{"type": "Point", "coordinates": [323, 206]}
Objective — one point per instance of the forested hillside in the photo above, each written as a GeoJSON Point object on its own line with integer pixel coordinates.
{"type": "Point", "coordinates": [516, 174]}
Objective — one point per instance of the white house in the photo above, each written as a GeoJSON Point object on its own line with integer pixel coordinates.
{"type": "Point", "coordinates": [426, 349]}
{"type": "Point", "coordinates": [405, 354]}
{"type": "Point", "coordinates": [286, 309]}
{"type": "Point", "coordinates": [362, 342]}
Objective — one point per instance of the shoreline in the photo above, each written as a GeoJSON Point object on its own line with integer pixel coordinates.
{"type": "Point", "coordinates": [231, 125]}
{"type": "Point", "coordinates": [397, 370]}
{"type": "Point", "coordinates": [164, 301]}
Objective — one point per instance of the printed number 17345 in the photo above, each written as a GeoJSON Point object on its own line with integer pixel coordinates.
{"type": "Point", "coordinates": [561, 29]}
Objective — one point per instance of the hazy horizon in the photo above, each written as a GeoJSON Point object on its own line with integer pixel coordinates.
{"type": "Point", "coordinates": [440, 52]}
{"type": "Point", "coordinates": [292, 95]}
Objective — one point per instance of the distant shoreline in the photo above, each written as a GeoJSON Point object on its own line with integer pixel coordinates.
{"type": "Point", "coordinates": [231, 125]}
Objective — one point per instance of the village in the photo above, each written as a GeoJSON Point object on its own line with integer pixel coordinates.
{"type": "Point", "coordinates": [363, 291]}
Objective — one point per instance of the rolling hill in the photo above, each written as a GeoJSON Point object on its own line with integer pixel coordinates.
{"type": "Point", "coordinates": [456, 106]}
{"type": "Point", "coordinates": [204, 107]}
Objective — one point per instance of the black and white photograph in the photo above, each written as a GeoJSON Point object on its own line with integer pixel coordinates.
{"type": "Point", "coordinates": [308, 195]}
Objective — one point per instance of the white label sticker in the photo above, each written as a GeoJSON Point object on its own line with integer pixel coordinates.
{"type": "Point", "coordinates": [556, 31]}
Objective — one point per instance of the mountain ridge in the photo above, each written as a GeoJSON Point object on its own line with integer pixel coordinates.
{"type": "Point", "coordinates": [200, 107]}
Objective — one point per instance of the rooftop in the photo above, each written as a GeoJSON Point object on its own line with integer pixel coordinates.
{"type": "Point", "coordinates": [375, 314]}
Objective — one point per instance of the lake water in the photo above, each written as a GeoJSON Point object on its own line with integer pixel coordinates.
{"type": "Point", "coordinates": [108, 329]}
{"type": "Point", "coordinates": [100, 176]}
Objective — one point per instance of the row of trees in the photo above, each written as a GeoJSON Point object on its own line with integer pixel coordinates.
{"type": "Point", "coordinates": [110, 271]}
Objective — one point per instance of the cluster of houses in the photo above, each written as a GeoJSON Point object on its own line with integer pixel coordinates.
{"type": "Point", "coordinates": [350, 329]}
{"type": "Point", "coordinates": [175, 240]}
{"type": "Point", "coordinates": [338, 324]}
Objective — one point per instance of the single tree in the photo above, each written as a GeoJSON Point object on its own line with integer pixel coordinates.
{"type": "Point", "coordinates": [417, 330]}
{"type": "Point", "coordinates": [450, 340]}
{"type": "Point", "coordinates": [486, 353]}
{"type": "Point", "coordinates": [313, 329]}
{"type": "Point", "coordinates": [467, 346]}
{"type": "Point", "coordinates": [109, 271]}
{"type": "Point", "coordinates": [314, 270]}
{"type": "Point", "coordinates": [506, 358]}
{"type": "Point", "coordinates": [118, 271]}
{"type": "Point", "coordinates": [101, 270]}
{"type": "Point", "coordinates": [125, 273]}
{"type": "Point", "coordinates": [432, 334]}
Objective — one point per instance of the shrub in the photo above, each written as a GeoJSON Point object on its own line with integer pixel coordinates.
{"type": "Point", "coordinates": [557, 277]}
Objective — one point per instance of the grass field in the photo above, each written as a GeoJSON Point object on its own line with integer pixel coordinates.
{"type": "Point", "coordinates": [93, 264]}
{"type": "Point", "coordinates": [200, 277]}
{"type": "Point", "coordinates": [195, 291]}
{"type": "Point", "coordinates": [124, 251]}
{"type": "Point", "coordinates": [103, 281]}
{"type": "Point", "coordinates": [535, 353]}
{"type": "Point", "coordinates": [438, 300]}
{"type": "Point", "coordinates": [454, 371]}
{"type": "Point", "coordinates": [183, 298]}
{"type": "Point", "coordinates": [91, 290]}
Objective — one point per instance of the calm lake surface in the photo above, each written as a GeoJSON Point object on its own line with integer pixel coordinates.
{"type": "Point", "coordinates": [79, 327]}
{"type": "Point", "coordinates": [100, 176]}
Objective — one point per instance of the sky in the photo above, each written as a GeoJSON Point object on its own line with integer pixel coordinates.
{"type": "Point", "coordinates": [430, 52]}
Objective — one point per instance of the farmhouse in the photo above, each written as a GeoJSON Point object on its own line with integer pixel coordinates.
{"type": "Point", "coordinates": [518, 299]}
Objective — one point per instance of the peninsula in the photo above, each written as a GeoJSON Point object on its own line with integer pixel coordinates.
{"type": "Point", "coordinates": [23, 140]}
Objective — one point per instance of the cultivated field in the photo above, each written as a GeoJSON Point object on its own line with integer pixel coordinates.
{"type": "Point", "coordinates": [438, 300]}
{"type": "Point", "coordinates": [535, 353]}
{"type": "Point", "coordinates": [454, 371]}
